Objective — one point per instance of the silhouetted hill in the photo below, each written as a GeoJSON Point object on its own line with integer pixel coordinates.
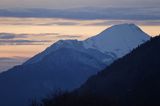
{"type": "Point", "coordinates": [133, 80]}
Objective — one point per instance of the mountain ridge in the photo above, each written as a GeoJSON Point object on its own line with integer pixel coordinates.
{"type": "Point", "coordinates": [111, 47]}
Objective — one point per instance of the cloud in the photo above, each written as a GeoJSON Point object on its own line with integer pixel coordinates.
{"type": "Point", "coordinates": [87, 13]}
{"type": "Point", "coordinates": [41, 23]}
{"type": "Point", "coordinates": [54, 35]}
{"type": "Point", "coordinates": [76, 3]}
{"type": "Point", "coordinates": [24, 42]}
{"type": "Point", "coordinates": [22, 39]}
{"type": "Point", "coordinates": [7, 36]}
{"type": "Point", "coordinates": [69, 36]}
{"type": "Point", "coordinates": [11, 36]}
{"type": "Point", "coordinates": [5, 59]}
{"type": "Point", "coordinates": [13, 59]}
{"type": "Point", "coordinates": [59, 23]}
{"type": "Point", "coordinates": [4, 35]}
{"type": "Point", "coordinates": [38, 34]}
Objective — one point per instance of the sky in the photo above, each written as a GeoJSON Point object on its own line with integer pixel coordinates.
{"type": "Point", "coordinates": [28, 27]}
{"type": "Point", "coordinates": [76, 3]}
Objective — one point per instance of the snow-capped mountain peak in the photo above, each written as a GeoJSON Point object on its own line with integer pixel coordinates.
{"type": "Point", "coordinates": [119, 39]}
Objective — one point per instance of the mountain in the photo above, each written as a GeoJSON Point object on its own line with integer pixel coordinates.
{"type": "Point", "coordinates": [116, 41]}
{"type": "Point", "coordinates": [130, 81]}
{"type": "Point", "coordinates": [67, 64]}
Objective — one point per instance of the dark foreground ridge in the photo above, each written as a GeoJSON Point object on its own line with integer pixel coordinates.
{"type": "Point", "coordinates": [133, 80]}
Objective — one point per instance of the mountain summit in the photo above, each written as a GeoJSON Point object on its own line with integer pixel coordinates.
{"type": "Point", "coordinates": [119, 39]}
{"type": "Point", "coordinates": [67, 64]}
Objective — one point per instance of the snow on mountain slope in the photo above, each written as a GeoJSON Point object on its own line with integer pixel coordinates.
{"type": "Point", "coordinates": [119, 39]}
{"type": "Point", "coordinates": [73, 44]}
